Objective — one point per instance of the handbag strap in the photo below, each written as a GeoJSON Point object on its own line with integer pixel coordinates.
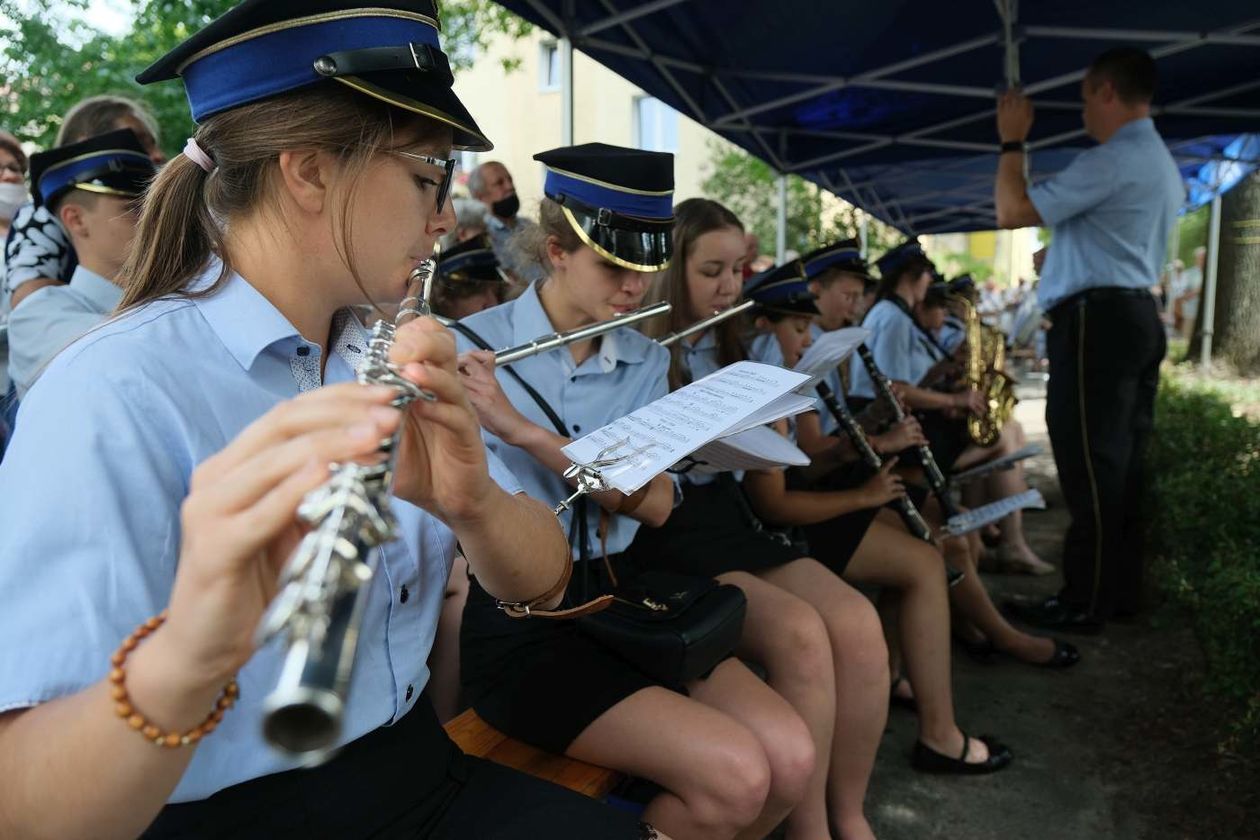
{"type": "Point", "coordinates": [594, 605]}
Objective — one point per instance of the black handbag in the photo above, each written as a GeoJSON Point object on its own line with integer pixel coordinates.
{"type": "Point", "coordinates": [674, 628]}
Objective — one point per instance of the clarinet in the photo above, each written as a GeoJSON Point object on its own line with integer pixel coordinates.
{"type": "Point", "coordinates": [915, 523]}
{"type": "Point", "coordinates": [325, 584]}
{"type": "Point", "coordinates": [931, 471]}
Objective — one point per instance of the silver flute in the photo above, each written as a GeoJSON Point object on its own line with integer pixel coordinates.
{"type": "Point", "coordinates": [550, 342]}
{"type": "Point", "coordinates": [325, 584]}
{"type": "Point", "coordinates": [702, 325]}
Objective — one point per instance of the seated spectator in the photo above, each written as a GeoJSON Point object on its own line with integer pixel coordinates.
{"type": "Point", "coordinates": [470, 220]}
{"type": "Point", "coordinates": [38, 252]}
{"type": "Point", "coordinates": [13, 192]}
{"type": "Point", "coordinates": [91, 189]}
{"type": "Point", "coordinates": [492, 185]}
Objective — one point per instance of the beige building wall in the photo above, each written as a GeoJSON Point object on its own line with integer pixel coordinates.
{"type": "Point", "coordinates": [522, 118]}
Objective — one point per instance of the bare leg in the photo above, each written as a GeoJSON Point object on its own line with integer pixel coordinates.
{"type": "Point", "coordinates": [444, 658]}
{"type": "Point", "coordinates": [714, 768]}
{"type": "Point", "coordinates": [891, 558]}
{"type": "Point", "coordinates": [861, 667]}
{"type": "Point", "coordinates": [786, 635]}
{"type": "Point", "coordinates": [972, 601]}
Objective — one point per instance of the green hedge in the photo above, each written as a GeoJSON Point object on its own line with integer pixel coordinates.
{"type": "Point", "coordinates": [1204, 530]}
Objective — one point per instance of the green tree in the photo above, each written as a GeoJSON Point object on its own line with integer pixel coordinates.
{"type": "Point", "coordinates": [748, 186]}
{"type": "Point", "coordinates": [51, 59]}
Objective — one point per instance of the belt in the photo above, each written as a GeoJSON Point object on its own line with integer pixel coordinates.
{"type": "Point", "coordinates": [1098, 294]}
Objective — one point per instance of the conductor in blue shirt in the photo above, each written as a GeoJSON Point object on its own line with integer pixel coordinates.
{"type": "Point", "coordinates": [1111, 211]}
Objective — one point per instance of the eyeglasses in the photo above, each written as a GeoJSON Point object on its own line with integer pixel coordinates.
{"type": "Point", "coordinates": [445, 164]}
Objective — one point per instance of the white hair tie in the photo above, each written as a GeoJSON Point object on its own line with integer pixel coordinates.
{"type": "Point", "coordinates": [198, 155]}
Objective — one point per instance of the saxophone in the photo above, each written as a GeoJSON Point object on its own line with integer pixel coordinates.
{"type": "Point", "coordinates": [986, 355]}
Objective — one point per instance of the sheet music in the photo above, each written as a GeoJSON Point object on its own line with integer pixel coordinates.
{"type": "Point", "coordinates": [996, 465]}
{"type": "Point", "coordinates": [832, 348]}
{"type": "Point", "coordinates": [650, 439]}
{"type": "Point", "coordinates": [758, 448]}
{"type": "Point", "coordinates": [973, 520]}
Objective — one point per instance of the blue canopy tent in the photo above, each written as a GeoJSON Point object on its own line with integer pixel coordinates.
{"type": "Point", "coordinates": [890, 105]}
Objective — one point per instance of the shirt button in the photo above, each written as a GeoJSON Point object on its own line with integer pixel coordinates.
{"type": "Point", "coordinates": [573, 379]}
{"type": "Point", "coordinates": [304, 350]}
{"type": "Point", "coordinates": [404, 595]}
{"type": "Point", "coordinates": [576, 427]}
{"type": "Point", "coordinates": [410, 691]}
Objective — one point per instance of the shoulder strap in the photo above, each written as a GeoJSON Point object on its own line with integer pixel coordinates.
{"type": "Point", "coordinates": [524, 610]}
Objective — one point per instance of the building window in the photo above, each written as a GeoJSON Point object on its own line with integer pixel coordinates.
{"type": "Point", "coordinates": [549, 66]}
{"type": "Point", "coordinates": [655, 125]}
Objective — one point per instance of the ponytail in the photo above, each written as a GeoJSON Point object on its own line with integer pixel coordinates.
{"type": "Point", "coordinates": [175, 238]}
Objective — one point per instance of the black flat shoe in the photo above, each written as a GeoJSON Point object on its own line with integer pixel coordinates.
{"type": "Point", "coordinates": [927, 760]}
{"type": "Point", "coordinates": [1053, 614]}
{"type": "Point", "coordinates": [1065, 656]}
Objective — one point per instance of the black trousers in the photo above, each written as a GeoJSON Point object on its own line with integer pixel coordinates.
{"type": "Point", "coordinates": [1104, 347]}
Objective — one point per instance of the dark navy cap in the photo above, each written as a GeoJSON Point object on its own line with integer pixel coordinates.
{"type": "Point", "coordinates": [845, 255]}
{"type": "Point", "coordinates": [470, 261]}
{"type": "Point", "coordinates": [962, 283]}
{"type": "Point", "coordinates": [783, 290]}
{"type": "Point", "coordinates": [897, 258]}
{"type": "Point", "coordinates": [619, 201]}
{"type": "Point", "coordinates": [110, 164]}
{"type": "Point", "coordinates": [938, 294]}
{"type": "Point", "coordinates": [260, 48]}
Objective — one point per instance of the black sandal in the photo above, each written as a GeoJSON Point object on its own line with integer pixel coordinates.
{"type": "Point", "coordinates": [927, 760]}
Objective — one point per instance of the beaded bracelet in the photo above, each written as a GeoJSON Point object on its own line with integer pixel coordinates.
{"type": "Point", "coordinates": [137, 721]}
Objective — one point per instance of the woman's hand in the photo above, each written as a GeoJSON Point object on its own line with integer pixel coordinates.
{"type": "Point", "coordinates": [900, 436]}
{"type": "Point", "coordinates": [970, 401]}
{"type": "Point", "coordinates": [883, 487]}
{"type": "Point", "coordinates": [441, 459]}
{"type": "Point", "coordinates": [495, 411]}
{"type": "Point", "coordinates": [239, 518]}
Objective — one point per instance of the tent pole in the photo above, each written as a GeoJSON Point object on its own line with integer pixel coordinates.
{"type": "Point", "coordinates": [1209, 282]}
{"type": "Point", "coordinates": [780, 231]}
{"type": "Point", "coordinates": [566, 92]}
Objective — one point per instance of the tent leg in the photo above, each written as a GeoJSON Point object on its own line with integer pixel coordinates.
{"type": "Point", "coordinates": [1209, 282]}
{"type": "Point", "coordinates": [780, 232]}
{"type": "Point", "coordinates": [566, 92]}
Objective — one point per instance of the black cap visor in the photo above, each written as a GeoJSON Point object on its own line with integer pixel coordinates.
{"type": "Point", "coordinates": [636, 244]}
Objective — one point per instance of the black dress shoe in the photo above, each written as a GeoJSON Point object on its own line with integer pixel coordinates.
{"type": "Point", "coordinates": [927, 760]}
{"type": "Point", "coordinates": [1054, 614]}
{"type": "Point", "coordinates": [1065, 655]}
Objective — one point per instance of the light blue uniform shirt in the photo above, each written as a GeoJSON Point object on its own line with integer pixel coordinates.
{"type": "Point", "coordinates": [628, 372]}
{"type": "Point", "coordinates": [52, 317]}
{"type": "Point", "coordinates": [92, 485]}
{"type": "Point", "coordinates": [1111, 211]}
{"type": "Point", "coordinates": [902, 351]}
{"type": "Point", "coordinates": [952, 333]}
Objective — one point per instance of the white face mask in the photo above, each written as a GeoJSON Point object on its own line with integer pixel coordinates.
{"type": "Point", "coordinates": [12, 196]}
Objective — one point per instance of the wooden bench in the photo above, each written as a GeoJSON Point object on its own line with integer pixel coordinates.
{"type": "Point", "coordinates": [476, 737]}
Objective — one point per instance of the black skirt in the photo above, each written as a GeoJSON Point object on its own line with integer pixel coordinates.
{"type": "Point", "coordinates": [946, 436]}
{"type": "Point", "coordinates": [835, 541]}
{"type": "Point", "coordinates": [540, 680]}
{"type": "Point", "coordinates": [409, 781]}
{"type": "Point", "coordinates": [710, 533]}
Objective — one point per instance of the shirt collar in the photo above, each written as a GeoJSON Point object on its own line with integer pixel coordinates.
{"type": "Point", "coordinates": [496, 223]}
{"type": "Point", "coordinates": [244, 320]}
{"type": "Point", "coordinates": [1144, 125]}
{"type": "Point", "coordinates": [530, 321]}
{"type": "Point", "coordinates": [103, 294]}
{"type": "Point", "coordinates": [708, 341]}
